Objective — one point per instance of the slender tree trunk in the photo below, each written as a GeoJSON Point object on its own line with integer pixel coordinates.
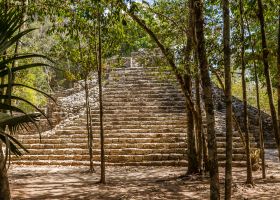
{"type": "Point", "coordinates": [265, 53]}
{"type": "Point", "coordinates": [199, 128]}
{"type": "Point", "coordinates": [228, 99]}
{"type": "Point", "coordinates": [89, 128]}
{"type": "Point", "coordinates": [208, 99]}
{"type": "Point", "coordinates": [193, 165]}
{"type": "Point", "coordinates": [102, 155]}
{"type": "Point", "coordinates": [278, 69]}
{"type": "Point", "coordinates": [244, 92]}
{"type": "Point", "coordinates": [4, 181]}
{"type": "Point", "coordinates": [90, 140]}
{"type": "Point", "coordinates": [261, 134]}
{"type": "Point", "coordinates": [202, 146]}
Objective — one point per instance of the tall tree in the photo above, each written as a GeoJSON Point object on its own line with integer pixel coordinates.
{"type": "Point", "coordinates": [265, 53]}
{"type": "Point", "coordinates": [228, 99]}
{"type": "Point", "coordinates": [256, 80]}
{"type": "Point", "coordinates": [208, 99]}
{"type": "Point", "coordinates": [244, 92]}
{"type": "Point", "coordinates": [193, 166]}
{"type": "Point", "coordinates": [278, 68]}
{"type": "Point", "coordinates": [99, 50]}
{"type": "Point", "coordinates": [201, 133]}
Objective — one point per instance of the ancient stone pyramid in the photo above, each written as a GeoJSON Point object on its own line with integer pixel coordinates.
{"type": "Point", "coordinates": [145, 124]}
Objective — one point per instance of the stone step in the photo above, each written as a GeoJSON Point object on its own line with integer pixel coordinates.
{"type": "Point", "coordinates": [122, 158]}
{"type": "Point", "coordinates": [83, 133]}
{"type": "Point", "coordinates": [141, 102]}
{"type": "Point", "coordinates": [83, 145]}
{"type": "Point", "coordinates": [109, 158]}
{"type": "Point", "coordinates": [114, 140]}
{"type": "Point", "coordinates": [95, 122]}
{"type": "Point", "coordinates": [124, 113]}
{"type": "Point", "coordinates": [119, 97]}
{"type": "Point", "coordinates": [143, 127]}
{"type": "Point", "coordinates": [148, 96]}
{"type": "Point", "coordinates": [86, 163]}
{"type": "Point", "coordinates": [114, 151]}
{"type": "Point", "coordinates": [148, 119]}
{"type": "Point", "coordinates": [235, 157]}
{"type": "Point", "coordinates": [82, 150]}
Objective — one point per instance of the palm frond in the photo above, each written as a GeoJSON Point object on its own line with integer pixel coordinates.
{"type": "Point", "coordinates": [15, 122]}
{"type": "Point", "coordinates": [7, 107]}
{"type": "Point", "coordinates": [13, 146]}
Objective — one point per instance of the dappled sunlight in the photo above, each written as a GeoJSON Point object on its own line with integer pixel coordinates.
{"type": "Point", "coordinates": [122, 183]}
{"type": "Point", "coordinates": [49, 182]}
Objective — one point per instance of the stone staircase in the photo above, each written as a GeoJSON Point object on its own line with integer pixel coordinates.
{"type": "Point", "coordinates": [144, 121]}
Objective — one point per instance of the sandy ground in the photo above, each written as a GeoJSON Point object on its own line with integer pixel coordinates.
{"type": "Point", "coordinates": [123, 183]}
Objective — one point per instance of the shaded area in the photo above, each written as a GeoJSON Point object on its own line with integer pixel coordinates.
{"type": "Point", "coordinates": [122, 183]}
{"type": "Point", "coordinates": [49, 182]}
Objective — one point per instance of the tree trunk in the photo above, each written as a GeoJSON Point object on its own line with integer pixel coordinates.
{"type": "Point", "coordinates": [89, 128]}
{"type": "Point", "coordinates": [265, 53]}
{"type": "Point", "coordinates": [208, 99]}
{"type": "Point", "coordinates": [256, 79]}
{"type": "Point", "coordinates": [4, 181]}
{"type": "Point", "coordinates": [278, 70]}
{"type": "Point", "coordinates": [199, 128]}
{"type": "Point", "coordinates": [202, 146]}
{"type": "Point", "coordinates": [244, 94]}
{"type": "Point", "coordinates": [193, 165]}
{"type": "Point", "coordinates": [228, 99]}
{"type": "Point", "coordinates": [102, 154]}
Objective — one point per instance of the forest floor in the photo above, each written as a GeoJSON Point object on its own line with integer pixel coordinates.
{"type": "Point", "coordinates": [123, 183]}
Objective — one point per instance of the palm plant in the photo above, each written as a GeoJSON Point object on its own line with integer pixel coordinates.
{"type": "Point", "coordinates": [13, 118]}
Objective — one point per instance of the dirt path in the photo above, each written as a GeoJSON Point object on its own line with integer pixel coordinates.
{"type": "Point", "coordinates": [137, 183]}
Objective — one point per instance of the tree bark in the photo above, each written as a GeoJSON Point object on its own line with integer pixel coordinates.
{"type": "Point", "coordinates": [200, 129]}
{"type": "Point", "coordinates": [244, 94]}
{"type": "Point", "coordinates": [4, 181]}
{"type": "Point", "coordinates": [278, 69]}
{"type": "Point", "coordinates": [228, 99]}
{"type": "Point", "coordinates": [256, 79]}
{"type": "Point", "coordinates": [89, 126]}
{"type": "Point", "coordinates": [193, 164]}
{"type": "Point", "coordinates": [102, 154]}
{"type": "Point", "coordinates": [208, 99]}
{"type": "Point", "coordinates": [265, 53]}
{"type": "Point", "coordinates": [193, 167]}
